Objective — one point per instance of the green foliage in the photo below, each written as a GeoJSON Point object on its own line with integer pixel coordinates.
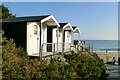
{"type": "Point", "coordinates": [16, 64]}
{"type": "Point", "coordinates": [1, 33]}
{"type": "Point", "coordinates": [86, 66]}
{"type": "Point", "coordinates": [5, 13]}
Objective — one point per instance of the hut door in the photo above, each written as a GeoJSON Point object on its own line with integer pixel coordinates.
{"type": "Point", "coordinates": [64, 37]}
{"type": "Point", "coordinates": [35, 39]}
{"type": "Point", "coordinates": [64, 40]}
{"type": "Point", "coordinates": [49, 39]}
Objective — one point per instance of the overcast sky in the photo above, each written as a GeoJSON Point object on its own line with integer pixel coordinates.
{"type": "Point", "coordinates": [96, 20]}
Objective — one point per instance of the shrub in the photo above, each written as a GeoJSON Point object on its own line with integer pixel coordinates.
{"type": "Point", "coordinates": [77, 65]}
{"type": "Point", "coordinates": [87, 67]}
{"type": "Point", "coordinates": [15, 65]}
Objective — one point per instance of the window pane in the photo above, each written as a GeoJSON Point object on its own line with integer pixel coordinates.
{"type": "Point", "coordinates": [35, 29]}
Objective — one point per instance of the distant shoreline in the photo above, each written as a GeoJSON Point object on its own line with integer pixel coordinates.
{"type": "Point", "coordinates": [105, 51]}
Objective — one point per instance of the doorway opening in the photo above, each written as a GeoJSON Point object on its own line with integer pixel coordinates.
{"type": "Point", "coordinates": [49, 39]}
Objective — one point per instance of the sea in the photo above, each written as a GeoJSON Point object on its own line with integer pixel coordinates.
{"type": "Point", "coordinates": [100, 45]}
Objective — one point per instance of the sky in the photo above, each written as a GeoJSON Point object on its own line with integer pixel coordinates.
{"type": "Point", "coordinates": [59, 0]}
{"type": "Point", "coordinates": [96, 20]}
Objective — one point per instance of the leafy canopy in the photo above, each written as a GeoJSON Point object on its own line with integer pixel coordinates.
{"type": "Point", "coordinates": [5, 12]}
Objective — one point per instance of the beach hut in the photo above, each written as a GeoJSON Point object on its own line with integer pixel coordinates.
{"type": "Point", "coordinates": [66, 32]}
{"type": "Point", "coordinates": [76, 30]}
{"type": "Point", "coordinates": [32, 32]}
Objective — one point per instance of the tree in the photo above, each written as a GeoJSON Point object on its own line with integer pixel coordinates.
{"type": "Point", "coordinates": [5, 13]}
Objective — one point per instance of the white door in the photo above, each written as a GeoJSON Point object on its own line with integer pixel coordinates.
{"type": "Point", "coordinates": [35, 39]}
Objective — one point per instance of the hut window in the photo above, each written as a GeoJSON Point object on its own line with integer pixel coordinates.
{"type": "Point", "coordinates": [35, 29]}
{"type": "Point", "coordinates": [58, 34]}
{"type": "Point", "coordinates": [68, 34]}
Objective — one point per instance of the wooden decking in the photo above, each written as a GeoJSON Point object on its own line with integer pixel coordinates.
{"type": "Point", "coordinates": [45, 54]}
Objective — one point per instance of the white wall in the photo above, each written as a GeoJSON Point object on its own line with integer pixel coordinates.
{"type": "Point", "coordinates": [44, 37]}
{"type": "Point", "coordinates": [54, 38]}
{"type": "Point", "coordinates": [59, 39]}
{"type": "Point", "coordinates": [30, 43]}
{"type": "Point", "coordinates": [68, 41]}
{"type": "Point", "coordinates": [66, 37]}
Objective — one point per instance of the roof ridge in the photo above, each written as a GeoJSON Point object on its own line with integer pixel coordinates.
{"type": "Point", "coordinates": [31, 16]}
{"type": "Point", "coordinates": [25, 18]}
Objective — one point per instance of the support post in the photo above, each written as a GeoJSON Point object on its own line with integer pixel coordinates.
{"type": "Point", "coordinates": [71, 43]}
{"type": "Point", "coordinates": [40, 48]}
{"type": "Point", "coordinates": [78, 38]}
{"type": "Point", "coordinates": [57, 37]}
{"type": "Point", "coordinates": [73, 38]}
{"type": "Point", "coordinates": [43, 34]}
{"type": "Point", "coordinates": [62, 42]}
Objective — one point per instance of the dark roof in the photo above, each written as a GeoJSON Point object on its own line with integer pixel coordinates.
{"type": "Point", "coordinates": [62, 24]}
{"type": "Point", "coordinates": [25, 19]}
{"type": "Point", "coordinates": [74, 27]}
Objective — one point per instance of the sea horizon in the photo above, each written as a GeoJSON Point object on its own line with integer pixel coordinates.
{"type": "Point", "coordinates": [101, 45]}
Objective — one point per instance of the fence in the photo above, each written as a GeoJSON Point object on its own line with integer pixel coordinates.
{"type": "Point", "coordinates": [54, 48]}
{"type": "Point", "coordinates": [85, 47]}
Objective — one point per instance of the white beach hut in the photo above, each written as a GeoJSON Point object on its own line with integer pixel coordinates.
{"type": "Point", "coordinates": [77, 31]}
{"type": "Point", "coordinates": [40, 35]}
{"type": "Point", "coordinates": [66, 32]}
{"type": "Point", "coordinates": [32, 32]}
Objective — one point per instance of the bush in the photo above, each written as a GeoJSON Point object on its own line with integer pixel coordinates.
{"type": "Point", "coordinates": [86, 66]}
{"type": "Point", "coordinates": [16, 64]}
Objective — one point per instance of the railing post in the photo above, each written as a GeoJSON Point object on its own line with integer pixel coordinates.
{"type": "Point", "coordinates": [62, 48]}
{"type": "Point", "coordinates": [53, 49]}
{"type": "Point", "coordinates": [70, 46]}
{"type": "Point", "coordinates": [41, 50]}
